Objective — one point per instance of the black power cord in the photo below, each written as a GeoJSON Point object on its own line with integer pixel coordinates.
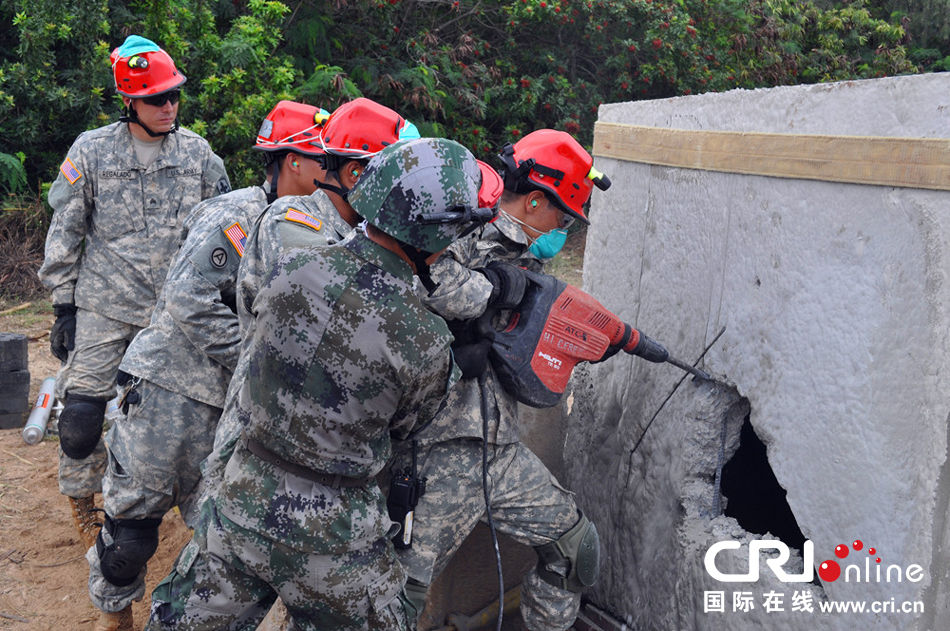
{"type": "Point", "coordinates": [491, 523]}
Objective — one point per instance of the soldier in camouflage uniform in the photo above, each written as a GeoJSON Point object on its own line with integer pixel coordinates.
{"type": "Point", "coordinates": [180, 366]}
{"type": "Point", "coordinates": [548, 177]}
{"type": "Point", "coordinates": [344, 356]}
{"type": "Point", "coordinates": [351, 136]}
{"type": "Point", "coordinates": [119, 202]}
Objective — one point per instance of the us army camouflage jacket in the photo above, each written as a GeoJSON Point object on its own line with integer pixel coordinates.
{"type": "Point", "coordinates": [462, 294]}
{"type": "Point", "coordinates": [116, 224]}
{"type": "Point", "coordinates": [191, 346]}
{"type": "Point", "coordinates": [290, 222]}
{"type": "Point", "coordinates": [343, 356]}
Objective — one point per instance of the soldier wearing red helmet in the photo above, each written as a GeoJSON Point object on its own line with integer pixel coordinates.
{"type": "Point", "coordinates": [548, 179]}
{"type": "Point", "coordinates": [145, 75]}
{"type": "Point", "coordinates": [292, 129]}
{"type": "Point", "coordinates": [345, 357]}
{"type": "Point", "coordinates": [557, 176]}
{"type": "Point", "coordinates": [119, 202]}
{"type": "Point", "coordinates": [176, 371]}
{"type": "Point", "coordinates": [349, 137]}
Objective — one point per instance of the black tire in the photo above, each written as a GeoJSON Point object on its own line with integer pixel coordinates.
{"type": "Point", "coordinates": [13, 354]}
{"type": "Point", "coordinates": [14, 392]}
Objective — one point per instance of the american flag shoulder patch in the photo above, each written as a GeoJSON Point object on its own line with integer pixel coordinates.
{"type": "Point", "coordinates": [301, 217]}
{"type": "Point", "coordinates": [236, 235]}
{"type": "Point", "coordinates": [69, 171]}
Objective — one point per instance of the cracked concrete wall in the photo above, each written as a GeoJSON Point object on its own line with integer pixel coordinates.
{"type": "Point", "coordinates": [834, 301]}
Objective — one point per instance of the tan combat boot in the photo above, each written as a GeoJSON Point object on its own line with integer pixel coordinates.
{"type": "Point", "coordinates": [84, 517]}
{"type": "Point", "coordinates": [118, 621]}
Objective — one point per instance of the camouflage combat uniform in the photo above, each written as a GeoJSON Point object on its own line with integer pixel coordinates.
{"type": "Point", "coordinates": [527, 501]}
{"type": "Point", "coordinates": [115, 228]}
{"type": "Point", "coordinates": [290, 222]}
{"type": "Point", "coordinates": [343, 355]}
{"type": "Point", "coordinates": [184, 360]}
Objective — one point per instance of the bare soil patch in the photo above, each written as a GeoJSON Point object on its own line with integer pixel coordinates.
{"type": "Point", "coordinates": [43, 571]}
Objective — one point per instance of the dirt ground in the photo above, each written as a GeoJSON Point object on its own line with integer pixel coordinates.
{"type": "Point", "coordinates": [43, 572]}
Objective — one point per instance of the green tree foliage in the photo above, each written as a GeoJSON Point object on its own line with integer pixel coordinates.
{"type": "Point", "coordinates": [235, 70]}
{"type": "Point", "coordinates": [927, 23]}
{"type": "Point", "coordinates": [797, 42]}
{"type": "Point", "coordinates": [12, 175]}
{"type": "Point", "coordinates": [483, 72]}
{"type": "Point", "coordinates": [52, 78]}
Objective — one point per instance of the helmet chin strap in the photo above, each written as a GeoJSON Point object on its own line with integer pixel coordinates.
{"type": "Point", "coordinates": [341, 190]}
{"type": "Point", "coordinates": [131, 116]}
{"type": "Point", "coordinates": [418, 258]}
{"type": "Point", "coordinates": [275, 174]}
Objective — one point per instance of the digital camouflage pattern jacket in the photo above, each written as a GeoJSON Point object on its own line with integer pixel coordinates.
{"type": "Point", "coordinates": [117, 224]}
{"type": "Point", "coordinates": [344, 357]}
{"type": "Point", "coordinates": [191, 345]}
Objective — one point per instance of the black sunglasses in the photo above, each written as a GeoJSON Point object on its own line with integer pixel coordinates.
{"type": "Point", "coordinates": [159, 99]}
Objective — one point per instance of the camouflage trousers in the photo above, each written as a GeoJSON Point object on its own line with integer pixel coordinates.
{"type": "Point", "coordinates": [155, 453]}
{"type": "Point", "coordinates": [154, 457]}
{"type": "Point", "coordinates": [90, 370]}
{"type": "Point", "coordinates": [527, 504]}
{"type": "Point", "coordinates": [228, 577]}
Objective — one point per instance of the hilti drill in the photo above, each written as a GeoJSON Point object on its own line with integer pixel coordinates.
{"type": "Point", "coordinates": [556, 326]}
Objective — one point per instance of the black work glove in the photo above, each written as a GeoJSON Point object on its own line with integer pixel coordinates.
{"type": "Point", "coordinates": [62, 337]}
{"type": "Point", "coordinates": [473, 340]}
{"type": "Point", "coordinates": [508, 284]}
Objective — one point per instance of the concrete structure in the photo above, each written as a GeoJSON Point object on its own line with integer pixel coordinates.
{"type": "Point", "coordinates": [834, 298]}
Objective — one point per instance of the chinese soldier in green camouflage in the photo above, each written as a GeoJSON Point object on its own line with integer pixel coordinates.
{"type": "Point", "coordinates": [177, 370]}
{"type": "Point", "coordinates": [119, 201]}
{"type": "Point", "coordinates": [548, 177]}
{"type": "Point", "coordinates": [344, 356]}
{"type": "Point", "coordinates": [350, 137]}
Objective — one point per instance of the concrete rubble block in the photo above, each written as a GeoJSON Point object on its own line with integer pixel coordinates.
{"type": "Point", "coordinates": [834, 298]}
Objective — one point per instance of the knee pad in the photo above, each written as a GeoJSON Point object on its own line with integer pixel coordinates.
{"type": "Point", "coordinates": [573, 561]}
{"type": "Point", "coordinates": [133, 542]}
{"type": "Point", "coordinates": [80, 425]}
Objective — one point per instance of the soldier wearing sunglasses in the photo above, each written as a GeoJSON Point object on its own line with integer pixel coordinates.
{"type": "Point", "coordinates": [119, 203]}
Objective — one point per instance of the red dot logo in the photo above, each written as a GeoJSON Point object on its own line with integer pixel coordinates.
{"type": "Point", "coordinates": [829, 571]}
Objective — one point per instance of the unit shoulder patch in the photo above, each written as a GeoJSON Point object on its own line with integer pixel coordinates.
{"type": "Point", "coordinates": [306, 219]}
{"type": "Point", "coordinates": [69, 171]}
{"type": "Point", "coordinates": [219, 257]}
{"type": "Point", "coordinates": [236, 235]}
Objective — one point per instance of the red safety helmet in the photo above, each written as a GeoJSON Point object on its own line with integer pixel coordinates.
{"type": "Point", "coordinates": [292, 126]}
{"type": "Point", "coordinates": [554, 162]}
{"type": "Point", "coordinates": [359, 129]}
{"type": "Point", "coordinates": [140, 69]}
{"type": "Point", "coordinates": [491, 187]}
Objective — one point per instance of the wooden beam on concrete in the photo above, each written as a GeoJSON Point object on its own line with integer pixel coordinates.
{"type": "Point", "coordinates": [875, 160]}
